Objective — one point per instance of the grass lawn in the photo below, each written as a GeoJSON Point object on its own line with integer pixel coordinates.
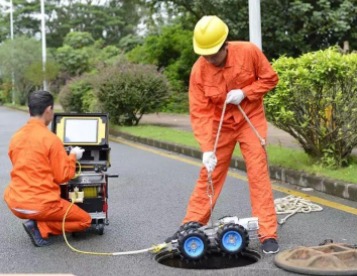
{"type": "Point", "coordinates": [285, 157]}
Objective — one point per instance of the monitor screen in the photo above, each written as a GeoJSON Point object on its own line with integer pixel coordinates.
{"type": "Point", "coordinates": [80, 130]}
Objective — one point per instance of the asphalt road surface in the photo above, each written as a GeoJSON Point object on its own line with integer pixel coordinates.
{"type": "Point", "coordinates": [146, 204]}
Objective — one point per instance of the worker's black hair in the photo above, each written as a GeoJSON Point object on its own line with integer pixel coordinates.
{"type": "Point", "coordinates": [38, 101]}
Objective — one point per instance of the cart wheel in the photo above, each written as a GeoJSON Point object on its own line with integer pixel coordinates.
{"type": "Point", "coordinates": [232, 238]}
{"type": "Point", "coordinates": [193, 244]}
{"type": "Point", "coordinates": [100, 229]}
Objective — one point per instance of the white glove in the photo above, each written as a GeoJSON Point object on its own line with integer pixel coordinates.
{"type": "Point", "coordinates": [235, 96]}
{"type": "Point", "coordinates": [209, 159]}
{"type": "Point", "coordinates": [78, 152]}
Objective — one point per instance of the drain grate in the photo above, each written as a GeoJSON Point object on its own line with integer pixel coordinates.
{"type": "Point", "coordinates": [330, 259]}
{"type": "Point", "coordinates": [210, 261]}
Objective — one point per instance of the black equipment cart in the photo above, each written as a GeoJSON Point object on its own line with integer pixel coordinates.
{"type": "Point", "coordinates": [90, 132]}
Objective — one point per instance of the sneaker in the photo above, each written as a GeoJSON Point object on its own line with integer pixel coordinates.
{"type": "Point", "coordinates": [270, 246]}
{"type": "Point", "coordinates": [32, 230]}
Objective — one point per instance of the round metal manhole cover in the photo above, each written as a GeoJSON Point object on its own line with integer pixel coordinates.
{"type": "Point", "coordinates": [210, 261]}
{"type": "Point", "coordinates": [330, 259]}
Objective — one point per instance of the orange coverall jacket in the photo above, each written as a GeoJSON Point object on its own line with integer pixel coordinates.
{"type": "Point", "coordinates": [40, 165]}
{"type": "Point", "coordinates": [246, 68]}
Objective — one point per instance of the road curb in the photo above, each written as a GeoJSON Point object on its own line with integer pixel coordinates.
{"type": "Point", "coordinates": [325, 185]}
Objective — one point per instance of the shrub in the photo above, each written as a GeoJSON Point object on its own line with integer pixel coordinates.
{"type": "Point", "coordinates": [316, 102]}
{"type": "Point", "coordinates": [77, 95]}
{"type": "Point", "coordinates": [128, 91]}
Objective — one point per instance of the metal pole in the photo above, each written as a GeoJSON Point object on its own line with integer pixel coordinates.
{"type": "Point", "coordinates": [12, 39]}
{"type": "Point", "coordinates": [11, 21]}
{"type": "Point", "coordinates": [255, 34]}
{"type": "Point", "coordinates": [43, 36]}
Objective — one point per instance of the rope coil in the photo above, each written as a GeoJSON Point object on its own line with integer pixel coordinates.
{"type": "Point", "coordinates": [292, 205]}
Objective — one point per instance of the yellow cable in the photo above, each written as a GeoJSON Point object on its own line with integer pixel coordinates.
{"type": "Point", "coordinates": [79, 170]}
{"type": "Point", "coordinates": [70, 246]}
{"type": "Point", "coordinates": [153, 249]}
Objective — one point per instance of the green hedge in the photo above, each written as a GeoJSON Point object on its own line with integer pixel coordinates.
{"type": "Point", "coordinates": [316, 102]}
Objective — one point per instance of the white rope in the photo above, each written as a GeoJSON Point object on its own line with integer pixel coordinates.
{"type": "Point", "coordinates": [261, 139]}
{"type": "Point", "coordinates": [219, 127]}
{"type": "Point", "coordinates": [210, 188]}
{"type": "Point", "coordinates": [291, 205]}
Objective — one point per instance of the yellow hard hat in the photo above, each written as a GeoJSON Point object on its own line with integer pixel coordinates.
{"type": "Point", "coordinates": [209, 35]}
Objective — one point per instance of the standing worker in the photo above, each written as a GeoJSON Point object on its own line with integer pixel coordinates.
{"type": "Point", "coordinates": [232, 73]}
{"type": "Point", "coordinates": [40, 165]}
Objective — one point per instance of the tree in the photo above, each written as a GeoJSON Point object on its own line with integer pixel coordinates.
{"type": "Point", "coordinates": [109, 21]}
{"type": "Point", "coordinates": [73, 61]}
{"type": "Point", "coordinates": [34, 73]}
{"type": "Point", "coordinates": [16, 56]}
{"type": "Point", "coordinates": [80, 53]}
{"type": "Point", "coordinates": [288, 27]}
{"type": "Point", "coordinates": [173, 55]}
{"type": "Point", "coordinates": [307, 25]}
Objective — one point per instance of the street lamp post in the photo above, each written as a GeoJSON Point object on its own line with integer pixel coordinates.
{"type": "Point", "coordinates": [43, 36]}
{"type": "Point", "coordinates": [255, 34]}
{"type": "Point", "coordinates": [12, 39]}
{"type": "Point", "coordinates": [11, 21]}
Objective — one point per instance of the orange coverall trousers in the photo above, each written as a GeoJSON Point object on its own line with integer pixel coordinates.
{"type": "Point", "coordinates": [255, 157]}
{"type": "Point", "coordinates": [50, 216]}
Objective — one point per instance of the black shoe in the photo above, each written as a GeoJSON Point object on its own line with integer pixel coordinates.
{"type": "Point", "coordinates": [183, 227]}
{"type": "Point", "coordinates": [32, 230]}
{"type": "Point", "coordinates": [270, 246]}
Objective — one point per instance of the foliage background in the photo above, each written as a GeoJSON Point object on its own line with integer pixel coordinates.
{"type": "Point", "coordinates": [85, 38]}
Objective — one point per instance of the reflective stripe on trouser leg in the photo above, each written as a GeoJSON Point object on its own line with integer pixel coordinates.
{"type": "Point", "coordinates": [49, 218]}
{"type": "Point", "coordinates": [51, 222]}
{"type": "Point", "coordinates": [261, 194]}
{"type": "Point", "coordinates": [198, 208]}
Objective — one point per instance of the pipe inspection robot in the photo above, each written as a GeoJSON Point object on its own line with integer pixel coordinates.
{"type": "Point", "coordinates": [229, 235]}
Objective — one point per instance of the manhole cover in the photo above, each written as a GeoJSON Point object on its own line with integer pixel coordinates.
{"type": "Point", "coordinates": [211, 261]}
{"type": "Point", "coordinates": [330, 259]}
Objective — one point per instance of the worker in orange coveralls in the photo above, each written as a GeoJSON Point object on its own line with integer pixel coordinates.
{"type": "Point", "coordinates": [40, 165]}
{"type": "Point", "coordinates": [235, 73]}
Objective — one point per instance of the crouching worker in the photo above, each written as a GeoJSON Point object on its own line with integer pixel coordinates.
{"type": "Point", "coordinates": [40, 164]}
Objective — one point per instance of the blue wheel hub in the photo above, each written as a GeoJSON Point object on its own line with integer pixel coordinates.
{"type": "Point", "coordinates": [232, 241]}
{"type": "Point", "coordinates": [194, 246]}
